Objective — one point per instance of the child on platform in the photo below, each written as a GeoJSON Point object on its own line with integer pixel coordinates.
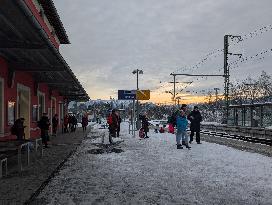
{"type": "Point", "coordinates": [182, 123]}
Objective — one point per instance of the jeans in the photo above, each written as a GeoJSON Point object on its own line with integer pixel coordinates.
{"type": "Point", "coordinates": [181, 135]}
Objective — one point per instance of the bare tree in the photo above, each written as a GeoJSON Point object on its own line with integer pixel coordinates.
{"type": "Point", "coordinates": [252, 90]}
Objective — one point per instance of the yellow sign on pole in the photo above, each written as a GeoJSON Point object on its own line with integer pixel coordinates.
{"type": "Point", "coordinates": [143, 95]}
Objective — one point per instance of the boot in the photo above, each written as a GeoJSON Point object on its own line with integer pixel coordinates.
{"type": "Point", "coordinates": [187, 146]}
{"type": "Point", "coordinates": [183, 143]}
{"type": "Point", "coordinates": [179, 146]}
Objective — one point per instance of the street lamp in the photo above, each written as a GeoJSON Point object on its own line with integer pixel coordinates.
{"type": "Point", "coordinates": [137, 71]}
{"type": "Point", "coordinates": [178, 98]}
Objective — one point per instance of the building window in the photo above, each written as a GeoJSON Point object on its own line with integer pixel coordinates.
{"type": "Point", "coordinates": [11, 112]}
{"type": "Point", "coordinates": [41, 104]}
{"type": "Point", "coordinates": [61, 111]}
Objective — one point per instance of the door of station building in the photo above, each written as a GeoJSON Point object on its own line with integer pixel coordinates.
{"type": "Point", "coordinates": [1, 106]}
{"type": "Point", "coordinates": [23, 106]}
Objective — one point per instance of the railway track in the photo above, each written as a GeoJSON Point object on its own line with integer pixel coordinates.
{"type": "Point", "coordinates": [237, 137]}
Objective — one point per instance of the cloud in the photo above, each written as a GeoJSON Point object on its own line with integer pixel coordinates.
{"type": "Point", "coordinates": [112, 38]}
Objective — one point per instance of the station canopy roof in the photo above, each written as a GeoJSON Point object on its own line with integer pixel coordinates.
{"type": "Point", "coordinates": [26, 47]}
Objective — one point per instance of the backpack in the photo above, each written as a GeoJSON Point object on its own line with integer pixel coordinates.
{"type": "Point", "coordinates": [109, 120]}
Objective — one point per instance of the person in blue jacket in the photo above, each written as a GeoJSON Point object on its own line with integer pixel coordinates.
{"type": "Point", "coordinates": [182, 123]}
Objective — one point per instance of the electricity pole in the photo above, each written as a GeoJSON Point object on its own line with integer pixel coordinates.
{"type": "Point", "coordinates": [216, 97]}
{"type": "Point", "coordinates": [226, 72]}
{"type": "Point", "coordinates": [174, 81]}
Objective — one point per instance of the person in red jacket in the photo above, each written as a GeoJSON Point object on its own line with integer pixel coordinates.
{"type": "Point", "coordinates": [112, 121]}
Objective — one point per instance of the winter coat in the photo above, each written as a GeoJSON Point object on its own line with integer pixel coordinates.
{"type": "Point", "coordinates": [182, 123]}
{"type": "Point", "coordinates": [44, 123]}
{"type": "Point", "coordinates": [171, 128]}
{"type": "Point", "coordinates": [66, 120]}
{"type": "Point", "coordinates": [114, 124]}
{"type": "Point", "coordinates": [55, 121]}
{"type": "Point", "coordinates": [84, 121]}
{"type": "Point", "coordinates": [74, 120]}
{"type": "Point", "coordinates": [145, 124]}
{"type": "Point", "coordinates": [19, 129]}
{"type": "Point", "coordinates": [195, 119]}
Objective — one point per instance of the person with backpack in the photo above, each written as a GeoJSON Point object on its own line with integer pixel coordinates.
{"type": "Point", "coordinates": [18, 129]}
{"type": "Point", "coordinates": [182, 123]}
{"type": "Point", "coordinates": [195, 118]}
{"type": "Point", "coordinates": [112, 121]}
{"type": "Point", "coordinates": [44, 124]}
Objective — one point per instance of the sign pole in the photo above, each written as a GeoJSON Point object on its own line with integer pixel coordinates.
{"type": "Point", "coordinates": [133, 119]}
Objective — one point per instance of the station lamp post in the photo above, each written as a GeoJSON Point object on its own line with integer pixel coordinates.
{"type": "Point", "coordinates": [137, 72]}
{"type": "Point", "coordinates": [178, 98]}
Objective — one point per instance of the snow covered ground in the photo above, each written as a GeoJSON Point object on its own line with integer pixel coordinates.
{"type": "Point", "coordinates": [153, 171]}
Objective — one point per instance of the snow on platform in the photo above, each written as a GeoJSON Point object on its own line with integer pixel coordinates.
{"type": "Point", "coordinates": [153, 171]}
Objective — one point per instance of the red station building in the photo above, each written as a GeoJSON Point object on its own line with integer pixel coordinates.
{"type": "Point", "coordinates": [34, 77]}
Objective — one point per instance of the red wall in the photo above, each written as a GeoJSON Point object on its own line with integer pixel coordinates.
{"type": "Point", "coordinates": [35, 12]}
{"type": "Point", "coordinates": [10, 94]}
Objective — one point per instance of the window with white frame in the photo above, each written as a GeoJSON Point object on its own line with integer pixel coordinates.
{"type": "Point", "coordinates": [41, 104]}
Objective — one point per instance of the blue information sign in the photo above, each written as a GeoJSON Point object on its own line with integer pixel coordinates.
{"type": "Point", "coordinates": [126, 94]}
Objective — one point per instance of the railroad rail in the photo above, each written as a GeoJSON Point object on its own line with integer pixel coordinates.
{"type": "Point", "coordinates": [257, 136]}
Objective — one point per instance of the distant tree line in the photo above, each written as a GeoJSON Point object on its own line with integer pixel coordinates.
{"type": "Point", "coordinates": [252, 90]}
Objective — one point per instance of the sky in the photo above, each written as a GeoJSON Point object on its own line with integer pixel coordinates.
{"type": "Point", "coordinates": [110, 39]}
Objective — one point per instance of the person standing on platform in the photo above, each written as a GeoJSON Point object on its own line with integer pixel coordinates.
{"type": "Point", "coordinates": [195, 119]}
{"type": "Point", "coordinates": [182, 124]}
{"type": "Point", "coordinates": [66, 123]}
{"type": "Point", "coordinates": [171, 128]}
{"type": "Point", "coordinates": [84, 122]}
{"type": "Point", "coordinates": [70, 122]}
{"type": "Point", "coordinates": [74, 123]}
{"type": "Point", "coordinates": [184, 109]}
{"type": "Point", "coordinates": [44, 124]}
{"type": "Point", "coordinates": [55, 123]}
{"type": "Point", "coordinates": [119, 123]}
{"type": "Point", "coordinates": [113, 125]}
{"type": "Point", "coordinates": [18, 129]}
{"type": "Point", "coordinates": [145, 124]}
